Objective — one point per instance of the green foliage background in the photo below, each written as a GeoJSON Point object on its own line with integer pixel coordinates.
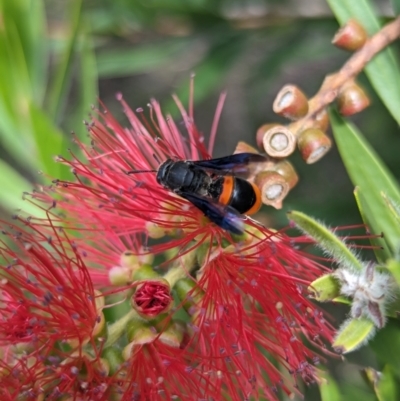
{"type": "Point", "coordinates": [58, 57]}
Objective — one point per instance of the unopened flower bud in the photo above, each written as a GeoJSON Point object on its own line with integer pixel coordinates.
{"type": "Point", "coordinates": [313, 144]}
{"type": "Point", "coordinates": [128, 259]}
{"type": "Point", "coordinates": [119, 275]}
{"type": "Point", "coordinates": [353, 334]}
{"type": "Point", "coordinates": [99, 300]}
{"type": "Point", "coordinates": [277, 140]}
{"type": "Point", "coordinates": [291, 103]}
{"type": "Point", "coordinates": [154, 230]}
{"type": "Point", "coordinates": [173, 335]}
{"type": "Point", "coordinates": [352, 36]}
{"type": "Point", "coordinates": [100, 329]}
{"type": "Point", "coordinates": [152, 297]}
{"type": "Point", "coordinates": [352, 99]}
{"type": "Point", "coordinates": [324, 288]}
{"type": "Point", "coordinates": [140, 332]}
{"type": "Point", "coordinates": [273, 187]}
{"type": "Point", "coordinates": [145, 272]}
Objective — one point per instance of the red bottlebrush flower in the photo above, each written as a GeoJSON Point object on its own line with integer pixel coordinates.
{"type": "Point", "coordinates": [247, 311]}
{"type": "Point", "coordinates": [46, 294]}
{"type": "Point", "coordinates": [136, 203]}
{"type": "Point", "coordinates": [49, 310]}
{"type": "Point", "coordinates": [160, 374]}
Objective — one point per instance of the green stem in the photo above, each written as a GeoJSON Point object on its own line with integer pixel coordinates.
{"type": "Point", "coordinates": [116, 329]}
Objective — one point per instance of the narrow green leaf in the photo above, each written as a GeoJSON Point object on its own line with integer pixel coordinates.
{"type": "Point", "coordinates": [12, 186]}
{"type": "Point", "coordinates": [89, 77]}
{"type": "Point", "coordinates": [328, 388]}
{"type": "Point", "coordinates": [394, 267]}
{"type": "Point", "coordinates": [384, 384]}
{"type": "Point", "coordinates": [393, 207]}
{"type": "Point", "coordinates": [367, 171]}
{"type": "Point", "coordinates": [386, 345]}
{"type": "Point", "coordinates": [61, 82]}
{"type": "Point", "coordinates": [383, 70]}
{"type": "Point", "coordinates": [326, 239]}
{"type": "Point", "coordinates": [37, 57]}
{"type": "Point", "coordinates": [87, 91]}
{"type": "Point", "coordinates": [387, 388]}
{"type": "Point", "coordinates": [353, 334]}
{"type": "Point", "coordinates": [20, 72]}
{"type": "Point", "coordinates": [25, 29]}
{"type": "Point", "coordinates": [50, 143]}
{"type": "Point", "coordinates": [122, 62]}
{"type": "Point", "coordinates": [381, 247]}
{"type": "Point", "coordinates": [210, 73]}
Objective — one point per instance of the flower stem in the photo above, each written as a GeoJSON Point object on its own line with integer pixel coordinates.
{"type": "Point", "coordinates": [117, 328]}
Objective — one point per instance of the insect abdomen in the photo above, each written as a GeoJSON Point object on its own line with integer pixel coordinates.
{"type": "Point", "coordinates": [240, 194]}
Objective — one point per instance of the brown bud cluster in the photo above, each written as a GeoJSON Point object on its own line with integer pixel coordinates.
{"type": "Point", "coordinates": [309, 122]}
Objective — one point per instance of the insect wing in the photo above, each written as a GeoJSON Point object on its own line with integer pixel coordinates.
{"type": "Point", "coordinates": [226, 217]}
{"type": "Point", "coordinates": [231, 164]}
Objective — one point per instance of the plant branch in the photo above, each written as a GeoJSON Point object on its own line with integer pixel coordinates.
{"type": "Point", "coordinates": [356, 63]}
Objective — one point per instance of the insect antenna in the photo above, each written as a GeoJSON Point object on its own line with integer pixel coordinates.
{"type": "Point", "coordinates": [140, 171]}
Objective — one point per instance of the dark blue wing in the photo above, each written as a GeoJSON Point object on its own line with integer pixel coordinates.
{"type": "Point", "coordinates": [226, 217]}
{"type": "Point", "coordinates": [232, 163]}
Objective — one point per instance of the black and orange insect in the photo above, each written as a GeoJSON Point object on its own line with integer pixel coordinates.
{"type": "Point", "coordinates": [214, 187]}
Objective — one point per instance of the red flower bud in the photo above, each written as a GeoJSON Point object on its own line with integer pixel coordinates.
{"type": "Point", "coordinates": [152, 297]}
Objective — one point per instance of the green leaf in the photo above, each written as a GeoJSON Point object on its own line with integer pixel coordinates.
{"type": "Point", "coordinates": [32, 25]}
{"type": "Point", "coordinates": [394, 267]}
{"type": "Point", "coordinates": [386, 388]}
{"type": "Point", "coordinates": [353, 334]}
{"type": "Point", "coordinates": [122, 62]}
{"type": "Point", "coordinates": [210, 73]}
{"type": "Point", "coordinates": [383, 70]}
{"type": "Point", "coordinates": [50, 143]}
{"type": "Point", "coordinates": [384, 384]}
{"type": "Point", "coordinates": [326, 239]}
{"type": "Point", "coordinates": [368, 172]}
{"type": "Point", "coordinates": [386, 345]}
{"type": "Point", "coordinates": [393, 207]}
{"type": "Point", "coordinates": [60, 85]}
{"type": "Point", "coordinates": [381, 248]}
{"type": "Point", "coordinates": [87, 96]}
{"type": "Point", "coordinates": [328, 387]}
{"type": "Point", "coordinates": [12, 186]}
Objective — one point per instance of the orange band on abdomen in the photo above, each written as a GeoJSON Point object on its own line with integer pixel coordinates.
{"type": "Point", "coordinates": [227, 189]}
